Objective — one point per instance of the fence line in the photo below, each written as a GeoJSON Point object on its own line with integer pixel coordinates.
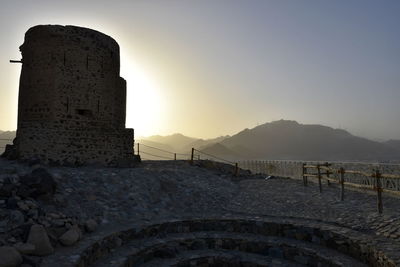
{"type": "Point", "coordinates": [235, 164]}
{"type": "Point", "coordinates": [157, 156]}
{"type": "Point", "coordinates": [376, 186]}
{"type": "Point", "coordinates": [215, 157]}
{"type": "Point", "coordinates": [154, 152]}
{"type": "Point", "coordinates": [377, 177]}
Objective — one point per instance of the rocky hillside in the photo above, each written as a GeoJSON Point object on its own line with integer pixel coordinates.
{"type": "Point", "coordinates": [293, 141]}
{"type": "Point", "coordinates": [5, 138]}
{"type": "Point", "coordinates": [179, 143]}
{"type": "Point", "coordinates": [395, 144]}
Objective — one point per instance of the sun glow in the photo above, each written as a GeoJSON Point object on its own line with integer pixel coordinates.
{"type": "Point", "coordinates": [145, 108]}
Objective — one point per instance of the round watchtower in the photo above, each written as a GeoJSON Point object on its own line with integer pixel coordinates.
{"type": "Point", "coordinates": [72, 100]}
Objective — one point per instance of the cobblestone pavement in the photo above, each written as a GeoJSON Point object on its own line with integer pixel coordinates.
{"type": "Point", "coordinates": [288, 197]}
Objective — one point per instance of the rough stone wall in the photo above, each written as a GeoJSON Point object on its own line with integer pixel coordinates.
{"type": "Point", "coordinates": [72, 100]}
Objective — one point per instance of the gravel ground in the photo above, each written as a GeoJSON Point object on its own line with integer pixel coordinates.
{"type": "Point", "coordinates": [164, 189]}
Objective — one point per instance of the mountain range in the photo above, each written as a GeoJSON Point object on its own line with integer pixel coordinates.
{"type": "Point", "coordinates": [289, 140]}
{"type": "Point", "coordinates": [278, 140]}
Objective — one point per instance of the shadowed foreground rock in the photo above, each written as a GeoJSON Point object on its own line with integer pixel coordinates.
{"type": "Point", "coordinates": [39, 238]}
{"type": "Point", "coordinates": [9, 257]}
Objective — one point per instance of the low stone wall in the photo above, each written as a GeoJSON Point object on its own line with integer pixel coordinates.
{"type": "Point", "coordinates": [293, 169]}
{"type": "Point", "coordinates": [337, 240]}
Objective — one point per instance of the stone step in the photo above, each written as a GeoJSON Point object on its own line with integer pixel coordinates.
{"type": "Point", "coordinates": [115, 245]}
{"type": "Point", "coordinates": [173, 245]}
{"type": "Point", "coordinates": [220, 258]}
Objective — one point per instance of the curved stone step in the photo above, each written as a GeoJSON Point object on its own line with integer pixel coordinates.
{"type": "Point", "coordinates": [218, 258]}
{"type": "Point", "coordinates": [172, 245]}
{"type": "Point", "coordinates": [370, 249]}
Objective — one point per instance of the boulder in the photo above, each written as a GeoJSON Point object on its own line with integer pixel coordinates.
{"type": "Point", "coordinates": [25, 248]}
{"type": "Point", "coordinates": [70, 237]}
{"type": "Point", "coordinates": [39, 183]}
{"type": "Point", "coordinates": [90, 225]}
{"type": "Point", "coordinates": [39, 238]}
{"type": "Point", "coordinates": [9, 257]}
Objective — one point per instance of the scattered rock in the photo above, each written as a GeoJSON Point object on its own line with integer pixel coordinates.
{"type": "Point", "coordinates": [38, 237]}
{"type": "Point", "coordinates": [33, 213]}
{"type": "Point", "coordinates": [90, 225]}
{"type": "Point", "coordinates": [9, 257]}
{"type": "Point", "coordinates": [56, 231]}
{"type": "Point", "coordinates": [12, 203]}
{"type": "Point", "coordinates": [25, 248]}
{"type": "Point", "coordinates": [6, 189]}
{"type": "Point", "coordinates": [22, 206]}
{"type": "Point", "coordinates": [39, 183]}
{"type": "Point", "coordinates": [31, 261]}
{"type": "Point", "coordinates": [70, 237]}
{"type": "Point", "coordinates": [16, 218]}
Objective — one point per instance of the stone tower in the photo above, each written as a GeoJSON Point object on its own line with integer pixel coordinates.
{"type": "Point", "coordinates": [71, 107]}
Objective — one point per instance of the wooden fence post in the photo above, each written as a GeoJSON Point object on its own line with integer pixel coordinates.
{"type": "Point", "coordinates": [304, 174]}
{"type": "Point", "coordinates": [138, 152]}
{"type": "Point", "coordinates": [174, 156]}
{"type": "Point", "coordinates": [236, 169]}
{"type": "Point", "coordinates": [379, 191]}
{"type": "Point", "coordinates": [265, 167]}
{"type": "Point", "coordinates": [341, 171]}
{"type": "Point", "coordinates": [327, 172]}
{"type": "Point", "coordinates": [191, 158]}
{"type": "Point", "coordinates": [319, 178]}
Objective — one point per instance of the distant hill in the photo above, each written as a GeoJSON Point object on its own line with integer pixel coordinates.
{"type": "Point", "coordinates": [144, 143]}
{"type": "Point", "coordinates": [9, 136]}
{"type": "Point", "coordinates": [287, 140]}
{"type": "Point", "coordinates": [201, 143]}
{"type": "Point", "coordinates": [180, 143]}
{"type": "Point", "coordinates": [219, 150]}
{"type": "Point", "coordinates": [175, 141]}
{"type": "Point", "coordinates": [293, 141]}
{"type": "Point", "coordinates": [394, 144]}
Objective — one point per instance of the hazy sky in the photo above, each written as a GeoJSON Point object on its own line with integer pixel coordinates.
{"type": "Point", "coordinates": [212, 67]}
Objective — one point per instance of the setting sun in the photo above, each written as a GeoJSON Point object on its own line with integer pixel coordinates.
{"type": "Point", "coordinates": [145, 104]}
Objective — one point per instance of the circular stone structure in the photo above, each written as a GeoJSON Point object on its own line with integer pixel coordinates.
{"type": "Point", "coordinates": [238, 241]}
{"type": "Point", "coordinates": [72, 100]}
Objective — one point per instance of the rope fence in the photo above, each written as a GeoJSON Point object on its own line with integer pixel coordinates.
{"type": "Point", "coordinates": [214, 157]}
{"type": "Point", "coordinates": [153, 153]}
{"type": "Point", "coordinates": [218, 159]}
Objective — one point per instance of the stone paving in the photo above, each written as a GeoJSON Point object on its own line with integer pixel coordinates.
{"type": "Point", "coordinates": [288, 197]}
